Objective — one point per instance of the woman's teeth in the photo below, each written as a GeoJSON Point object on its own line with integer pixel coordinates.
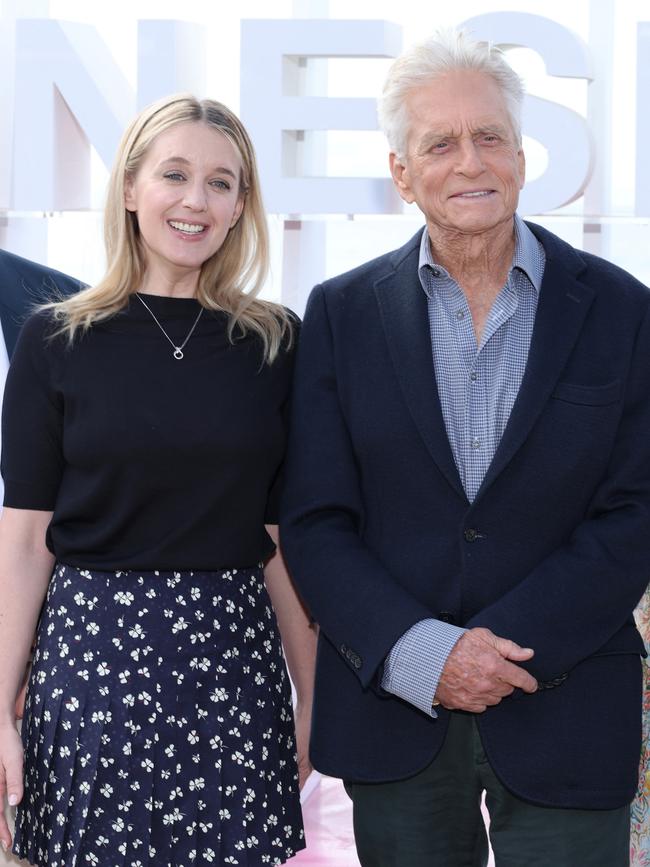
{"type": "Point", "coordinates": [190, 228]}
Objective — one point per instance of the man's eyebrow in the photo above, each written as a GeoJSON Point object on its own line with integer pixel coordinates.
{"type": "Point", "coordinates": [496, 127]}
{"type": "Point", "coordinates": [433, 136]}
{"type": "Point", "coordinates": [219, 170]}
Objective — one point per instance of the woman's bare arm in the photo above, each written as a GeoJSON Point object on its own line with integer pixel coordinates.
{"type": "Point", "coordinates": [299, 637]}
{"type": "Point", "coordinates": [25, 569]}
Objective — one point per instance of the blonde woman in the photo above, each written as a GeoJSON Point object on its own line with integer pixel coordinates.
{"type": "Point", "coordinates": [144, 432]}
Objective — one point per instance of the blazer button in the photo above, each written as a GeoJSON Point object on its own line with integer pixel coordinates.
{"type": "Point", "coordinates": [471, 534]}
{"type": "Point", "coordinates": [343, 648]}
{"type": "Point", "coordinates": [357, 663]}
{"type": "Point", "coordinates": [447, 617]}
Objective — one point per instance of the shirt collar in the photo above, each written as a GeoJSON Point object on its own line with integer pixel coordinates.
{"type": "Point", "coordinates": [528, 256]}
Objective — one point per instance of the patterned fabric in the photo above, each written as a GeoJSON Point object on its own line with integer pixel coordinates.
{"type": "Point", "coordinates": [478, 387]}
{"type": "Point", "coordinates": [640, 836]}
{"type": "Point", "coordinates": [405, 676]}
{"type": "Point", "coordinates": [158, 726]}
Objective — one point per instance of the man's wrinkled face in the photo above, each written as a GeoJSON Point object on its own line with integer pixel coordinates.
{"type": "Point", "coordinates": [463, 164]}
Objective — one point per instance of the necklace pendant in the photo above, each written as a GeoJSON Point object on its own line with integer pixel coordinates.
{"type": "Point", "coordinates": [178, 350]}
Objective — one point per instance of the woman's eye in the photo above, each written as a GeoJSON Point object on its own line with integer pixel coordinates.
{"type": "Point", "coordinates": [174, 176]}
{"type": "Point", "coordinates": [220, 185]}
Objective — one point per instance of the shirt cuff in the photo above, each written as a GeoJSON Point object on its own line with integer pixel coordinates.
{"type": "Point", "coordinates": [413, 667]}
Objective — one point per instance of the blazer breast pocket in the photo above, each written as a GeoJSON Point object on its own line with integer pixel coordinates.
{"type": "Point", "coordinates": [588, 395]}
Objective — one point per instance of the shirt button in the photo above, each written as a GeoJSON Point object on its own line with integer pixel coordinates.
{"type": "Point", "coordinates": [460, 314]}
{"type": "Point", "coordinates": [473, 376]}
{"type": "Point", "coordinates": [476, 443]}
{"type": "Point", "coordinates": [435, 272]}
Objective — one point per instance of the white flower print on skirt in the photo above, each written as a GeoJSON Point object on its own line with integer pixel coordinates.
{"type": "Point", "coordinates": [158, 725]}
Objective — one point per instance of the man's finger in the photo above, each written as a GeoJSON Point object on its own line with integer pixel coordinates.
{"type": "Point", "coordinates": [511, 650]}
{"type": "Point", "coordinates": [518, 677]}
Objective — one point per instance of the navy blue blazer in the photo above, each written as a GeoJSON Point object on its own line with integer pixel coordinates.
{"type": "Point", "coordinates": [24, 284]}
{"type": "Point", "coordinates": [554, 552]}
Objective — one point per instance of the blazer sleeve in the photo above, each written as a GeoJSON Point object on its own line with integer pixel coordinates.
{"type": "Point", "coordinates": [581, 596]}
{"type": "Point", "coordinates": [360, 607]}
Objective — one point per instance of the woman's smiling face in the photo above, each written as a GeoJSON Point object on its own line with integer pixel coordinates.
{"type": "Point", "coordinates": [186, 194]}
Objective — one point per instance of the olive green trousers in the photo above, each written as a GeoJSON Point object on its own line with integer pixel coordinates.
{"type": "Point", "coordinates": [434, 818]}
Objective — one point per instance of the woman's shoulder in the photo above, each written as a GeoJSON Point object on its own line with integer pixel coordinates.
{"type": "Point", "coordinates": [291, 333]}
{"type": "Point", "coordinates": [39, 328]}
{"type": "Point", "coordinates": [279, 311]}
{"type": "Point", "coordinates": [272, 328]}
{"type": "Point", "coordinates": [43, 344]}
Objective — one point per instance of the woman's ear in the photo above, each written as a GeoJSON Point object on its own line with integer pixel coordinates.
{"type": "Point", "coordinates": [239, 207]}
{"type": "Point", "coordinates": [129, 193]}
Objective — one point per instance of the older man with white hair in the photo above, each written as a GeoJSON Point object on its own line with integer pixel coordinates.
{"type": "Point", "coordinates": [468, 504]}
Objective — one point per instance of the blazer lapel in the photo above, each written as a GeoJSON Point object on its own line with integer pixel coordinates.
{"type": "Point", "coordinates": [563, 306]}
{"type": "Point", "coordinates": [404, 316]}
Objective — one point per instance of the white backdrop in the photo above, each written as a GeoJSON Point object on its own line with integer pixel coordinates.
{"type": "Point", "coordinates": [76, 78]}
{"type": "Point", "coordinates": [73, 73]}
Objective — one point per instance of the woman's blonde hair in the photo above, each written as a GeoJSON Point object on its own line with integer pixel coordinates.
{"type": "Point", "coordinates": [229, 280]}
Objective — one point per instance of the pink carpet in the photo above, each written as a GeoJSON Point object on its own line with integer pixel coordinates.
{"type": "Point", "coordinates": [327, 812]}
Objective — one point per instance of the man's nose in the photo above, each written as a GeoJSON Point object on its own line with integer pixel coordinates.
{"type": "Point", "coordinates": [469, 161]}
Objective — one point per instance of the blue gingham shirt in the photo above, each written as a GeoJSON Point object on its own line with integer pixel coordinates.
{"type": "Point", "coordinates": [477, 387]}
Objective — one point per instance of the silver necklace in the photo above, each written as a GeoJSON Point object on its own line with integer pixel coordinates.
{"type": "Point", "coordinates": [178, 350]}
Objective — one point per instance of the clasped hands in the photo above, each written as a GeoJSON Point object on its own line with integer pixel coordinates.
{"type": "Point", "coordinates": [481, 670]}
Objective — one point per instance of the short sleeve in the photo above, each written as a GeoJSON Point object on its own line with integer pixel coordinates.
{"type": "Point", "coordinates": [32, 420]}
{"type": "Point", "coordinates": [287, 360]}
{"type": "Point", "coordinates": [272, 511]}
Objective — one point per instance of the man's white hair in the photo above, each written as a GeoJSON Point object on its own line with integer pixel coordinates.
{"type": "Point", "coordinates": [446, 51]}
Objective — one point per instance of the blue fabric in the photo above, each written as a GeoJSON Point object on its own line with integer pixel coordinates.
{"type": "Point", "coordinates": [23, 284]}
{"type": "Point", "coordinates": [414, 665]}
{"type": "Point", "coordinates": [553, 551]}
{"type": "Point", "coordinates": [478, 385]}
{"type": "Point", "coordinates": [477, 388]}
{"type": "Point", "coordinates": [158, 723]}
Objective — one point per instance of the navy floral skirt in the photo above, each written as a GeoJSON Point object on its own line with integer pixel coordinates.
{"type": "Point", "coordinates": [158, 725]}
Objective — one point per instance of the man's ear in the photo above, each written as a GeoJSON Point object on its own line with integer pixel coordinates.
{"type": "Point", "coordinates": [401, 177]}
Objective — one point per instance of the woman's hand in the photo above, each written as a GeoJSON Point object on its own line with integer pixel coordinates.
{"type": "Point", "coordinates": [11, 776]}
{"type": "Point", "coordinates": [302, 715]}
{"type": "Point", "coordinates": [299, 638]}
{"type": "Point", "coordinates": [20, 698]}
